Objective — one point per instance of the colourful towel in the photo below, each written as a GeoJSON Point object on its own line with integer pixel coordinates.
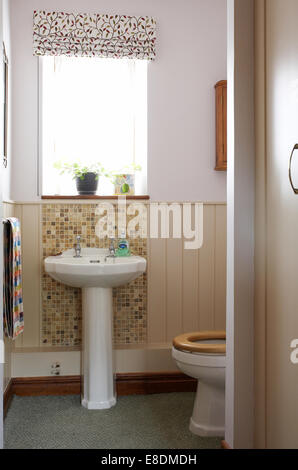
{"type": "Point", "coordinates": [12, 282]}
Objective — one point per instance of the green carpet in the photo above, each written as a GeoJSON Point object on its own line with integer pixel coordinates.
{"type": "Point", "coordinates": [136, 422]}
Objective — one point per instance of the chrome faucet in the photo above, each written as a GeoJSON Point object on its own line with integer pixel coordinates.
{"type": "Point", "coordinates": [112, 250]}
{"type": "Point", "coordinates": [77, 248]}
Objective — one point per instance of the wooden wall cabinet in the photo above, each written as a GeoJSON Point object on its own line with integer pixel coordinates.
{"type": "Point", "coordinates": [221, 125]}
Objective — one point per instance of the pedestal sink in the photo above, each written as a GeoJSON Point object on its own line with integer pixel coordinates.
{"type": "Point", "coordinates": [96, 274]}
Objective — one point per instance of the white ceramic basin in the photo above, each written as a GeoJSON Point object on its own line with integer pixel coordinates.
{"type": "Point", "coordinates": [93, 269]}
{"type": "Point", "coordinates": [96, 275]}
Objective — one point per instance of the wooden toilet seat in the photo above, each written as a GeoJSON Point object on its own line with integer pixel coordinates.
{"type": "Point", "coordinates": [190, 342]}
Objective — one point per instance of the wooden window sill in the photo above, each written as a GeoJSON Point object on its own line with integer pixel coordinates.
{"type": "Point", "coordinates": [94, 197]}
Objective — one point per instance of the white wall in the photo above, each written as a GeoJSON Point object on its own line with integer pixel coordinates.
{"type": "Point", "coordinates": [191, 58]}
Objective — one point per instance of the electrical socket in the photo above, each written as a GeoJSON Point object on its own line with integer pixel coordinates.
{"type": "Point", "coordinates": [55, 368]}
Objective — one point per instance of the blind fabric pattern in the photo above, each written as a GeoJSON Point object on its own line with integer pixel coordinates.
{"type": "Point", "coordinates": [93, 35]}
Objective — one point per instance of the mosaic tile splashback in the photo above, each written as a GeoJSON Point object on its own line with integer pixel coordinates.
{"type": "Point", "coordinates": [61, 322]}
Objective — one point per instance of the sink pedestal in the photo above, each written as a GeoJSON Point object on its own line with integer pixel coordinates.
{"type": "Point", "coordinates": [96, 274]}
{"type": "Point", "coordinates": [98, 387]}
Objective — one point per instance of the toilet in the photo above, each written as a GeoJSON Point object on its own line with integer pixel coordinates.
{"type": "Point", "coordinates": [202, 355]}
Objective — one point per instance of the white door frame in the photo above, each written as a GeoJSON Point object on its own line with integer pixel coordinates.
{"type": "Point", "coordinates": [240, 226]}
{"type": "Point", "coordinates": [1, 239]}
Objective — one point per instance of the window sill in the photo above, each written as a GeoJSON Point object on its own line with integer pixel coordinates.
{"type": "Point", "coordinates": [94, 197]}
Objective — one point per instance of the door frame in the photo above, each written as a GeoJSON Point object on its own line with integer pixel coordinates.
{"type": "Point", "coordinates": [240, 226]}
{"type": "Point", "coordinates": [260, 227]}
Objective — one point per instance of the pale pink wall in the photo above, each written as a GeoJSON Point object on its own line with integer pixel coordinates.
{"type": "Point", "coordinates": [191, 57]}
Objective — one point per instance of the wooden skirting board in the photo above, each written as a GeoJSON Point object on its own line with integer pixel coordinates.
{"type": "Point", "coordinates": [7, 397]}
{"type": "Point", "coordinates": [154, 382]}
{"type": "Point", "coordinates": [130, 197]}
{"type": "Point", "coordinates": [225, 445]}
{"type": "Point", "coordinates": [126, 384]}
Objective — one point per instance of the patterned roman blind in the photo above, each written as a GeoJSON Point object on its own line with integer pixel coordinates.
{"type": "Point", "coordinates": [93, 35]}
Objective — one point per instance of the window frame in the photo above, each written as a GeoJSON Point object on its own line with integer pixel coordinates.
{"type": "Point", "coordinates": [40, 153]}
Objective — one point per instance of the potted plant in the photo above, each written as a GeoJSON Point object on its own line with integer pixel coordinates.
{"type": "Point", "coordinates": [124, 180]}
{"type": "Point", "coordinates": [85, 176]}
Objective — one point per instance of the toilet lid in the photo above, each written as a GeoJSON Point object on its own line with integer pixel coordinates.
{"type": "Point", "coordinates": [191, 342]}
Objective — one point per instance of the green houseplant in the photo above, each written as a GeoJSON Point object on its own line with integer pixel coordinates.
{"type": "Point", "coordinates": [85, 176]}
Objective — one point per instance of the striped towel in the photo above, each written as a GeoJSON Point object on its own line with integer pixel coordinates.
{"type": "Point", "coordinates": [13, 315]}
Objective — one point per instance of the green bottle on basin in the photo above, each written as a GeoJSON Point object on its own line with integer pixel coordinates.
{"type": "Point", "coordinates": [123, 246]}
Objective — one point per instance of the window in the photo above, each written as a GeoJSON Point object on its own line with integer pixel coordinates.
{"type": "Point", "coordinates": [92, 110]}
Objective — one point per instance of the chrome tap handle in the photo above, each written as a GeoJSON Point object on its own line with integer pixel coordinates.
{"type": "Point", "coordinates": [112, 249]}
{"type": "Point", "coordinates": [77, 247]}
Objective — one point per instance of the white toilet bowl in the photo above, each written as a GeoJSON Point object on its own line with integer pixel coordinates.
{"type": "Point", "coordinates": [202, 355]}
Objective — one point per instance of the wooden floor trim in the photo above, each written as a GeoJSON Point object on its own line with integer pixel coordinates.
{"type": "Point", "coordinates": [95, 196]}
{"type": "Point", "coordinates": [7, 397]}
{"type": "Point", "coordinates": [126, 384]}
{"type": "Point", "coordinates": [52, 385]}
{"type": "Point", "coordinates": [225, 445]}
{"type": "Point", "coordinates": [154, 382]}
